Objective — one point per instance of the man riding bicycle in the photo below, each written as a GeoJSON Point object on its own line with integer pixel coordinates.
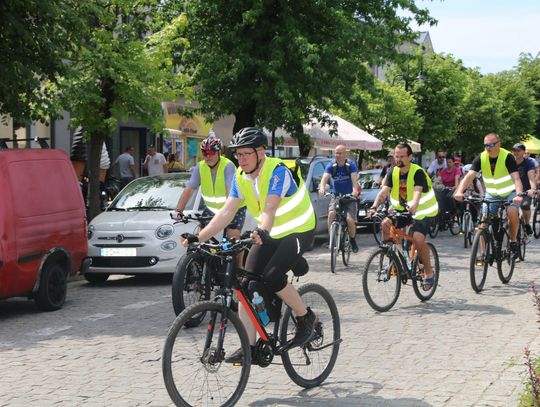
{"type": "Point", "coordinates": [410, 188]}
{"type": "Point", "coordinates": [501, 178]}
{"type": "Point", "coordinates": [527, 173]}
{"type": "Point", "coordinates": [214, 174]}
{"type": "Point", "coordinates": [286, 223]}
{"type": "Point", "coordinates": [345, 176]}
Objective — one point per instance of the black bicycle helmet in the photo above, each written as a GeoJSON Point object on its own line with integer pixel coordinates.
{"type": "Point", "coordinates": [249, 137]}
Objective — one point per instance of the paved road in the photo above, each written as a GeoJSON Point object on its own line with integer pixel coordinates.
{"type": "Point", "coordinates": [459, 349]}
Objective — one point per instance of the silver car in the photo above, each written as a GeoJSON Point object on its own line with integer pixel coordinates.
{"type": "Point", "coordinates": [136, 235]}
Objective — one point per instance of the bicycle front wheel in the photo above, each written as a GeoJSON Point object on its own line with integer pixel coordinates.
{"type": "Point", "coordinates": [453, 225]}
{"type": "Point", "coordinates": [376, 229]}
{"type": "Point", "coordinates": [506, 260]}
{"type": "Point", "coordinates": [308, 366]}
{"type": "Point", "coordinates": [480, 259]}
{"type": "Point", "coordinates": [468, 229]}
{"type": "Point", "coordinates": [334, 245]}
{"type": "Point", "coordinates": [424, 295]}
{"type": "Point", "coordinates": [381, 281]}
{"type": "Point", "coordinates": [346, 246]}
{"type": "Point", "coordinates": [536, 222]}
{"type": "Point", "coordinates": [194, 370]}
{"type": "Point", "coordinates": [522, 239]}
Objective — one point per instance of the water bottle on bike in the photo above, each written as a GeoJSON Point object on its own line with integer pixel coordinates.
{"type": "Point", "coordinates": [258, 304]}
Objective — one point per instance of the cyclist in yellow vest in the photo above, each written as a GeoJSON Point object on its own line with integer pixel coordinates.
{"type": "Point", "coordinates": [214, 174]}
{"type": "Point", "coordinates": [286, 223]}
{"type": "Point", "coordinates": [501, 177]}
{"type": "Point", "coordinates": [409, 187]}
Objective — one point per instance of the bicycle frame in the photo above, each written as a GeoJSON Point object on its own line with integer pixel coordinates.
{"type": "Point", "coordinates": [397, 235]}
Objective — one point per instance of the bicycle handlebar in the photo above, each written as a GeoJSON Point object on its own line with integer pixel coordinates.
{"type": "Point", "coordinates": [229, 246]}
{"type": "Point", "coordinates": [192, 217]}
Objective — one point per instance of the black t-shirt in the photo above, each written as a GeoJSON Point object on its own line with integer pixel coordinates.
{"type": "Point", "coordinates": [510, 163]}
{"type": "Point", "coordinates": [420, 180]}
{"type": "Point", "coordinates": [526, 165]}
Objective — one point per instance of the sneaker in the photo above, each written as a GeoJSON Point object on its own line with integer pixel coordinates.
{"type": "Point", "coordinates": [304, 328]}
{"type": "Point", "coordinates": [514, 248]}
{"type": "Point", "coordinates": [528, 230]}
{"type": "Point", "coordinates": [237, 357]}
{"type": "Point", "coordinates": [354, 246]}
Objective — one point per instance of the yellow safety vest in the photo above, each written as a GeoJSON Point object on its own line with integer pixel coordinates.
{"type": "Point", "coordinates": [427, 207]}
{"type": "Point", "coordinates": [500, 183]}
{"type": "Point", "coordinates": [214, 193]}
{"type": "Point", "coordinates": [294, 213]}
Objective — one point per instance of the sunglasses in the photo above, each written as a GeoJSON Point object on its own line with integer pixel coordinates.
{"type": "Point", "coordinates": [490, 144]}
{"type": "Point", "coordinates": [209, 153]}
{"type": "Point", "coordinates": [441, 156]}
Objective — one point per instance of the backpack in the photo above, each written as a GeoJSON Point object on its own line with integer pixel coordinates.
{"type": "Point", "coordinates": [347, 168]}
{"type": "Point", "coordinates": [295, 172]}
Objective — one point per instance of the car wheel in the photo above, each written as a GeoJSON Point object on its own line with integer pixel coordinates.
{"type": "Point", "coordinates": [52, 288]}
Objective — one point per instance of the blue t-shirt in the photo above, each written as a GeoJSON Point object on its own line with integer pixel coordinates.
{"type": "Point", "coordinates": [281, 184]}
{"type": "Point", "coordinates": [526, 165]}
{"type": "Point", "coordinates": [342, 179]}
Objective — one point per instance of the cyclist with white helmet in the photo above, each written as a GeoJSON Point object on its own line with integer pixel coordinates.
{"type": "Point", "coordinates": [214, 174]}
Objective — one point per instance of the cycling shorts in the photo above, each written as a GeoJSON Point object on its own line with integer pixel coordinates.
{"type": "Point", "coordinates": [351, 207]}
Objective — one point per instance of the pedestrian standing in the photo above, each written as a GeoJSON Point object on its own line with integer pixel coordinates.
{"type": "Point", "coordinates": [126, 166]}
{"type": "Point", "coordinates": [155, 162]}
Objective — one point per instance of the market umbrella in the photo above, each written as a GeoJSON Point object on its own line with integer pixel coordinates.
{"type": "Point", "coordinates": [533, 145]}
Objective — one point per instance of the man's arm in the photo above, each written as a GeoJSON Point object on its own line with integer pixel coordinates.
{"type": "Point", "coordinates": [355, 186]}
{"type": "Point", "coordinates": [517, 182]}
{"type": "Point", "coordinates": [269, 212]}
{"type": "Point", "coordinates": [381, 197]}
{"type": "Point", "coordinates": [532, 178]}
{"type": "Point", "coordinates": [132, 169]}
{"type": "Point", "coordinates": [184, 198]}
{"type": "Point", "coordinates": [465, 182]}
{"type": "Point", "coordinates": [416, 199]}
{"type": "Point", "coordinates": [324, 181]}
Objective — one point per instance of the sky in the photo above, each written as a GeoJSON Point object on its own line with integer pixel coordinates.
{"type": "Point", "coordinates": [489, 34]}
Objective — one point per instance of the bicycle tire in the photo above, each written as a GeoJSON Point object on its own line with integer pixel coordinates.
{"type": "Point", "coordinates": [506, 261]}
{"type": "Point", "coordinates": [346, 247]}
{"type": "Point", "coordinates": [382, 276]}
{"type": "Point", "coordinates": [434, 227]}
{"type": "Point", "coordinates": [376, 229]}
{"type": "Point", "coordinates": [180, 347]}
{"type": "Point", "coordinates": [468, 228]}
{"type": "Point", "coordinates": [536, 223]}
{"type": "Point", "coordinates": [435, 265]}
{"type": "Point", "coordinates": [453, 225]}
{"type": "Point", "coordinates": [334, 245]}
{"type": "Point", "coordinates": [522, 239]}
{"type": "Point", "coordinates": [315, 353]}
{"type": "Point", "coordinates": [479, 268]}
{"type": "Point", "coordinates": [187, 287]}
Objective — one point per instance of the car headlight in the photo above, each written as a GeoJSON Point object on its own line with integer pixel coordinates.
{"type": "Point", "coordinates": [164, 231]}
{"type": "Point", "coordinates": [90, 231]}
{"type": "Point", "coordinates": [168, 245]}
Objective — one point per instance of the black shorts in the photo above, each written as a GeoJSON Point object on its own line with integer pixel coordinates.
{"type": "Point", "coordinates": [421, 226]}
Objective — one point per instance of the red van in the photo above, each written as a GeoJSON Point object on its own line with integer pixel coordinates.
{"type": "Point", "coordinates": [43, 235]}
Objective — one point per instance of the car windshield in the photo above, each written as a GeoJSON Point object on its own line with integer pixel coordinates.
{"type": "Point", "coordinates": [152, 193]}
{"type": "Point", "coordinates": [367, 179]}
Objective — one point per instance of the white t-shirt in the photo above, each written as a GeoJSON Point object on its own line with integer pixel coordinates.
{"type": "Point", "coordinates": [155, 164]}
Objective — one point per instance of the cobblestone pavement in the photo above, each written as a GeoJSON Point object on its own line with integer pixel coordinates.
{"type": "Point", "coordinates": [458, 349]}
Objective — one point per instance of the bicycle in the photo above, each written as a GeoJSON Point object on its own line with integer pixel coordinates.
{"type": "Point", "coordinates": [491, 244]}
{"type": "Point", "coordinates": [376, 219]}
{"type": "Point", "coordinates": [536, 215]}
{"type": "Point", "coordinates": [467, 222]}
{"type": "Point", "coordinates": [197, 275]}
{"type": "Point", "coordinates": [205, 348]}
{"type": "Point", "coordinates": [390, 266]}
{"type": "Point", "coordinates": [340, 241]}
{"type": "Point", "coordinates": [445, 220]}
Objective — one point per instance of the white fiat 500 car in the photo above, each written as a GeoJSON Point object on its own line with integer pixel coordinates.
{"type": "Point", "coordinates": [135, 234]}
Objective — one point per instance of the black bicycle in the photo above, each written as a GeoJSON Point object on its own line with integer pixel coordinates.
{"type": "Point", "coordinates": [193, 361]}
{"type": "Point", "coordinates": [491, 246]}
{"type": "Point", "coordinates": [197, 275]}
{"type": "Point", "coordinates": [445, 220]}
{"type": "Point", "coordinates": [536, 215]}
{"type": "Point", "coordinates": [340, 241]}
{"type": "Point", "coordinates": [467, 222]}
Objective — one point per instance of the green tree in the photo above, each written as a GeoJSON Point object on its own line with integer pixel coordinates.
{"type": "Point", "coordinates": [388, 112]}
{"type": "Point", "coordinates": [283, 63]}
{"type": "Point", "coordinates": [529, 69]}
{"type": "Point", "coordinates": [120, 73]}
{"type": "Point", "coordinates": [480, 113]}
{"type": "Point", "coordinates": [438, 96]}
{"type": "Point", "coordinates": [519, 110]}
{"type": "Point", "coordinates": [36, 37]}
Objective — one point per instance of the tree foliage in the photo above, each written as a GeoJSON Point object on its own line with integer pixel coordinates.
{"type": "Point", "coordinates": [529, 70]}
{"type": "Point", "coordinates": [283, 63]}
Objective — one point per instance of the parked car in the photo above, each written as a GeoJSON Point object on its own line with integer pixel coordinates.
{"type": "Point", "coordinates": [135, 234]}
{"type": "Point", "coordinates": [42, 226]}
{"type": "Point", "coordinates": [369, 188]}
{"type": "Point", "coordinates": [312, 170]}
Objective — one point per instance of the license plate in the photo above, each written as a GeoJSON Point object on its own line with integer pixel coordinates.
{"type": "Point", "coordinates": [361, 213]}
{"type": "Point", "coordinates": [118, 251]}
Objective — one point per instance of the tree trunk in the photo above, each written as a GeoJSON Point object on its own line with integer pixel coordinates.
{"type": "Point", "coordinates": [304, 140]}
{"type": "Point", "coordinates": [94, 158]}
{"type": "Point", "coordinates": [245, 117]}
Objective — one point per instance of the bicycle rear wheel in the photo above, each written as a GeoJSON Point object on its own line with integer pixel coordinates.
{"type": "Point", "coordinates": [346, 246]}
{"type": "Point", "coordinates": [381, 281]}
{"type": "Point", "coordinates": [453, 224]}
{"type": "Point", "coordinates": [334, 245]}
{"type": "Point", "coordinates": [536, 222]}
{"type": "Point", "coordinates": [506, 260]}
{"type": "Point", "coordinates": [424, 295]}
{"type": "Point", "coordinates": [194, 374]}
{"type": "Point", "coordinates": [190, 285]}
{"type": "Point", "coordinates": [434, 227]}
{"type": "Point", "coordinates": [308, 366]}
{"type": "Point", "coordinates": [522, 239]}
{"type": "Point", "coordinates": [480, 259]}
